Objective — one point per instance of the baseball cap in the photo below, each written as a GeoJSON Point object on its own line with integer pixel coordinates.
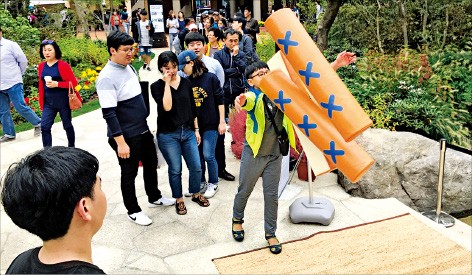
{"type": "Point", "coordinates": [192, 26]}
{"type": "Point", "coordinates": [185, 57]}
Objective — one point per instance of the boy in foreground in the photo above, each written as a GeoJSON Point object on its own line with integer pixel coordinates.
{"type": "Point", "coordinates": [55, 193]}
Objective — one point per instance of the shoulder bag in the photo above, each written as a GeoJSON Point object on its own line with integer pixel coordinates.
{"type": "Point", "coordinates": [74, 102]}
{"type": "Point", "coordinates": [282, 136]}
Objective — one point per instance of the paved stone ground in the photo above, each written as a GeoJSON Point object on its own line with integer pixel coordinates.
{"type": "Point", "coordinates": [186, 244]}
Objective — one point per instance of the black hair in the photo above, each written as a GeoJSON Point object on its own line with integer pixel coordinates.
{"type": "Point", "coordinates": [41, 191]}
{"type": "Point", "coordinates": [217, 33]}
{"type": "Point", "coordinates": [238, 14]}
{"type": "Point", "coordinates": [240, 19]}
{"type": "Point", "coordinates": [143, 12]}
{"type": "Point", "coordinates": [198, 68]}
{"type": "Point", "coordinates": [116, 38]}
{"type": "Point", "coordinates": [231, 31]}
{"type": "Point", "coordinates": [186, 21]}
{"type": "Point", "coordinates": [249, 9]}
{"type": "Point", "coordinates": [250, 69]}
{"type": "Point", "coordinates": [212, 20]}
{"type": "Point", "coordinates": [57, 50]}
{"type": "Point", "coordinates": [194, 36]}
{"type": "Point", "coordinates": [225, 22]}
{"type": "Point", "coordinates": [166, 58]}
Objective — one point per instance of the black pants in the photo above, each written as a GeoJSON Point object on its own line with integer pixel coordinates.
{"type": "Point", "coordinates": [142, 149]}
{"type": "Point", "coordinates": [220, 153]}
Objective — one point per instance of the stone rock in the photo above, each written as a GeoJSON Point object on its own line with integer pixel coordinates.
{"type": "Point", "coordinates": [407, 168]}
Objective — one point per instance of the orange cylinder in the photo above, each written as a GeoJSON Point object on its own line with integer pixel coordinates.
{"type": "Point", "coordinates": [349, 157]}
{"type": "Point", "coordinates": [294, 77]}
{"type": "Point", "coordinates": [338, 104]}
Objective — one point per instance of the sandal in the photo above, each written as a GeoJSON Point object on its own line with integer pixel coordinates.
{"type": "Point", "coordinates": [180, 208]}
{"type": "Point", "coordinates": [275, 248]}
{"type": "Point", "coordinates": [237, 235]}
{"type": "Point", "coordinates": [201, 200]}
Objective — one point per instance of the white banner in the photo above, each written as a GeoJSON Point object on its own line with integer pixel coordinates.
{"type": "Point", "coordinates": [157, 17]}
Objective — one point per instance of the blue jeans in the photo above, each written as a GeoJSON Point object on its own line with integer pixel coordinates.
{"type": "Point", "coordinates": [49, 114]}
{"type": "Point", "coordinates": [126, 27]}
{"type": "Point", "coordinates": [174, 145]}
{"type": "Point", "coordinates": [172, 36]}
{"type": "Point", "coordinates": [16, 95]}
{"type": "Point", "coordinates": [207, 154]}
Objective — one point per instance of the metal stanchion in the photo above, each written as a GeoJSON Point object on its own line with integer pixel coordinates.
{"type": "Point", "coordinates": [437, 215]}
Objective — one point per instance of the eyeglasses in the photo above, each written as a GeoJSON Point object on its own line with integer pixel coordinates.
{"type": "Point", "coordinates": [127, 49]}
{"type": "Point", "coordinates": [260, 74]}
{"type": "Point", "coordinates": [47, 42]}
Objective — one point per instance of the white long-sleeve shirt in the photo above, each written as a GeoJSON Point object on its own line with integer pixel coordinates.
{"type": "Point", "coordinates": [13, 64]}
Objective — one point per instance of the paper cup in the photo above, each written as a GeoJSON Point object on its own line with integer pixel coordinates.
{"type": "Point", "coordinates": [47, 78]}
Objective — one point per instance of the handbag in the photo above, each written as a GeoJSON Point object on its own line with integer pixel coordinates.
{"type": "Point", "coordinates": [74, 102]}
{"type": "Point", "coordinates": [282, 136]}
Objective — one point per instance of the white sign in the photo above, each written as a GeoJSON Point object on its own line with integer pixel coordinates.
{"type": "Point", "coordinates": [157, 17]}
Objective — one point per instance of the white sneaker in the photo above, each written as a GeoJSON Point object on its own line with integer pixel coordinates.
{"type": "Point", "coordinates": [211, 190]}
{"type": "Point", "coordinates": [163, 201]}
{"type": "Point", "coordinates": [140, 218]}
{"type": "Point", "coordinates": [203, 188]}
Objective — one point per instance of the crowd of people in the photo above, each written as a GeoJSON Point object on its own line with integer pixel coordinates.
{"type": "Point", "coordinates": [216, 69]}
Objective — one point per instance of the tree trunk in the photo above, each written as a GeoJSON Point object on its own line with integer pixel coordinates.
{"type": "Point", "coordinates": [425, 23]}
{"type": "Point", "coordinates": [377, 24]}
{"type": "Point", "coordinates": [322, 31]}
{"type": "Point", "coordinates": [445, 28]}
{"type": "Point", "coordinates": [81, 11]}
{"type": "Point", "coordinates": [102, 12]}
{"type": "Point", "coordinates": [404, 21]}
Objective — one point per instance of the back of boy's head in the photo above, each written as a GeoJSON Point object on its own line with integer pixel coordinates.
{"type": "Point", "coordinates": [194, 36]}
{"type": "Point", "coordinates": [250, 69]}
{"type": "Point", "coordinates": [116, 38]}
{"type": "Point", "coordinates": [41, 191]}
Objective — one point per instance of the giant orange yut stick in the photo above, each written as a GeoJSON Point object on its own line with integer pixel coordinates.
{"type": "Point", "coordinates": [316, 73]}
{"type": "Point", "coordinates": [349, 157]}
{"type": "Point", "coordinates": [313, 154]}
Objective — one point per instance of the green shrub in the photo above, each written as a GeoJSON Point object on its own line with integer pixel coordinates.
{"type": "Point", "coordinates": [405, 92]}
{"type": "Point", "coordinates": [19, 30]}
{"type": "Point", "coordinates": [30, 80]}
{"type": "Point", "coordinates": [82, 53]}
{"type": "Point", "coordinates": [265, 48]}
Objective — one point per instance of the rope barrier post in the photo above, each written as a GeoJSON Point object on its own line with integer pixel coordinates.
{"type": "Point", "coordinates": [437, 215]}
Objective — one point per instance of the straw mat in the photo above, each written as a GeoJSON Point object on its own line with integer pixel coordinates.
{"type": "Point", "coordinates": [397, 245]}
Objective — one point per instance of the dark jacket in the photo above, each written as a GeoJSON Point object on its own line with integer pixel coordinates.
{"type": "Point", "coordinates": [233, 67]}
{"type": "Point", "coordinates": [181, 36]}
{"type": "Point", "coordinates": [252, 29]}
{"type": "Point", "coordinates": [136, 29]}
{"type": "Point", "coordinates": [247, 47]}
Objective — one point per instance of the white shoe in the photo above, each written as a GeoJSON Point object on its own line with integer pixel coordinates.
{"type": "Point", "coordinates": [163, 201]}
{"type": "Point", "coordinates": [211, 190]}
{"type": "Point", "coordinates": [140, 218]}
{"type": "Point", "coordinates": [203, 188]}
